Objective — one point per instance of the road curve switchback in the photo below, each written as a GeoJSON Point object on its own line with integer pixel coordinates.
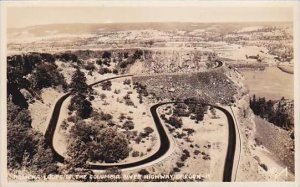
{"type": "Point", "coordinates": [164, 139]}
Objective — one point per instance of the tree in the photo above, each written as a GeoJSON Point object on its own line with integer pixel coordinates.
{"type": "Point", "coordinates": [106, 85]}
{"type": "Point", "coordinates": [46, 75]}
{"type": "Point", "coordinates": [175, 122]}
{"type": "Point", "coordinates": [199, 111]}
{"type": "Point", "coordinates": [96, 142]}
{"type": "Point", "coordinates": [25, 146]}
{"type": "Point", "coordinates": [15, 82]}
{"type": "Point", "coordinates": [78, 83]}
{"type": "Point", "coordinates": [42, 162]}
{"type": "Point", "coordinates": [148, 130]}
{"type": "Point", "coordinates": [274, 111]}
{"type": "Point", "coordinates": [41, 79]}
{"type": "Point", "coordinates": [84, 108]}
{"type": "Point", "coordinates": [180, 110]}
{"type": "Point", "coordinates": [128, 125]}
{"type": "Point", "coordinates": [80, 90]}
{"type": "Point", "coordinates": [106, 55]}
{"type": "Point", "coordinates": [137, 54]}
{"type": "Point", "coordinates": [109, 146]}
{"type": "Point", "coordinates": [78, 154]}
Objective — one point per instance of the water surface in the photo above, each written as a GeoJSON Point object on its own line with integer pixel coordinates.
{"type": "Point", "coordinates": [271, 83]}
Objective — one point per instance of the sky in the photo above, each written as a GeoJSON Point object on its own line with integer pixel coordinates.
{"type": "Point", "coordinates": [30, 16]}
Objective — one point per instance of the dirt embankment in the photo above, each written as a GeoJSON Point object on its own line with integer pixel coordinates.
{"type": "Point", "coordinates": [277, 140]}
{"type": "Point", "coordinates": [213, 86]}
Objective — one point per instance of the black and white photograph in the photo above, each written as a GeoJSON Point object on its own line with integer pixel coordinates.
{"type": "Point", "coordinates": [149, 92]}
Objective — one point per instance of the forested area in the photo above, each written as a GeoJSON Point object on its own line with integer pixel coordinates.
{"type": "Point", "coordinates": [32, 72]}
{"type": "Point", "coordinates": [276, 112]}
{"type": "Point", "coordinates": [26, 147]}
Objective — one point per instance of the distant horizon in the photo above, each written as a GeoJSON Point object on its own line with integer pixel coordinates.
{"type": "Point", "coordinates": [22, 17]}
{"type": "Point", "coordinates": [163, 22]}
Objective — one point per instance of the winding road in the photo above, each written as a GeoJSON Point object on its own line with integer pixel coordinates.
{"type": "Point", "coordinates": [164, 139]}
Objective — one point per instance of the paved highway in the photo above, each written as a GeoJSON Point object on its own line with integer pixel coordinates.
{"type": "Point", "coordinates": [164, 139]}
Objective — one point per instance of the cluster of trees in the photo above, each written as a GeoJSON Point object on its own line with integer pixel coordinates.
{"type": "Point", "coordinates": [33, 72]}
{"type": "Point", "coordinates": [26, 148]}
{"type": "Point", "coordinates": [95, 142]}
{"type": "Point", "coordinates": [128, 100]}
{"type": "Point", "coordinates": [67, 57]}
{"type": "Point", "coordinates": [274, 111]}
{"type": "Point", "coordinates": [141, 90]}
{"type": "Point", "coordinates": [175, 122]}
{"type": "Point", "coordinates": [81, 93]}
{"type": "Point", "coordinates": [198, 110]}
{"type": "Point", "coordinates": [46, 75]}
{"type": "Point", "coordinates": [123, 59]}
{"type": "Point", "coordinates": [194, 109]}
{"type": "Point", "coordinates": [106, 85]}
{"type": "Point", "coordinates": [103, 71]}
{"type": "Point", "coordinates": [105, 60]}
{"type": "Point", "coordinates": [131, 59]}
{"type": "Point", "coordinates": [181, 110]}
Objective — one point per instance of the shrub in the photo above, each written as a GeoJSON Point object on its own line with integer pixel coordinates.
{"type": "Point", "coordinates": [123, 64]}
{"type": "Point", "coordinates": [65, 57]}
{"type": "Point", "coordinates": [64, 125]}
{"type": "Point", "coordinates": [185, 155]}
{"type": "Point", "coordinates": [138, 54]}
{"type": "Point", "coordinates": [106, 55]}
{"type": "Point", "coordinates": [90, 67]}
{"type": "Point", "coordinates": [127, 82]}
{"type": "Point", "coordinates": [115, 71]}
{"type": "Point", "coordinates": [148, 130]}
{"type": "Point", "coordinates": [175, 122]}
{"type": "Point", "coordinates": [128, 101]}
{"type": "Point", "coordinates": [189, 130]}
{"type": "Point", "coordinates": [138, 139]}
{"type": "Point", "coordinates": [179, 164]}
{"type": "Point", "coordinates": [81, 105]}
{"type": "Point", "coordinates": [117, 91]}
{"type": "Point", "coordinates": [128, 125]}
{"type": "Point", "coordinates": [106, 85]}
{"type": "Point", "coordinates": [122, 117]}
{"type": "Point", "coordinates": [181, 110]}
{"type": "Point", "coordinates": [72, 119]}
{"type": "Point", "coordinates": [105, 116]}
{"type": "Point", "coordinates": [144, 172]}
{"type": "Point", "coordinates": [104, 71]}
{"type": "Point", "coordinates": [206, 157]}
{"type": "Point", "coordinates": [176, 169]}
{"type": "Point", "coordinates": [135, 154]}
{"type": "Point", "coordinates": [197, 152]}
{"type": "Point", "coordinates": [102, 96]}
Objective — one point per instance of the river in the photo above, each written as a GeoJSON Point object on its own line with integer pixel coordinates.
{"type": "Point", "coordinates": [271, 83]}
